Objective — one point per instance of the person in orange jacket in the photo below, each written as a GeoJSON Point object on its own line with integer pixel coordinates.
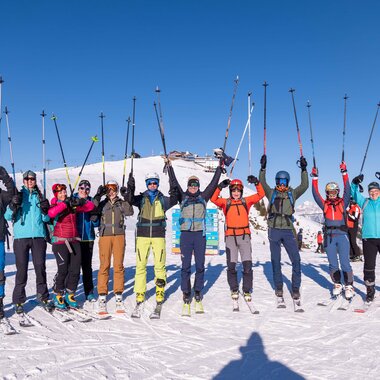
{"type": "Point", "coordinates": [353, 214]}
{"type": "Point", "coordinates": [320, 243]}
{"type": "Point", "coordinates": [237, 232]}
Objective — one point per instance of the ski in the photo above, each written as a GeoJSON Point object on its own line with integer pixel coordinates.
{"type": "Point", "coordinates": [345, 304]}
{"type": "Point", "coordinates": [297, 306]}
{"type": "Point", "coordinates": [329, 301]}
{"type": "Point", "coordinates": [137, 311]}
{"type": "Point", "coordinates": [199, 307]}
{"type": "Point", "coordinates": [251, 308]}
{"type": "Point", "coordinates": [365, 307]}
{"type": "Point", "coordinates": [280, 303]}
{"type": "Point", "coordinates": [235, 305]}
{"type": "Point", "coordinates": [120, 308]}
{"type": "Point", "coordinates": [79, 315]}
{"type": "Point", "coordinates": [24, 320]}
{"type": "Point", "coordinates": [55, 313]}
{"type": "Point", "coordinates": [186, 310]}
{"type": "Point", "coordinates": [7, 327]}
{"type": "Point", "coordinates": [156, 314]}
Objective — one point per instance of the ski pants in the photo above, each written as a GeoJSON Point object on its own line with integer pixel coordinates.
{"type": "Point", "coordinates": [371, 247]}
{"type": "Point", "coordinates": [192, 242]}
{"type": "Point", "coordinates": [21, 248]}
{"type": "Point", "coordinates": [111, 246]}
{"type": "Point", "coordinates": [67, 277]}
{"type": "Point", "coordinates": [320, 248]}
{"type": "Point", "coordinates": [2, 269]}
{"type": "Point", "coordinates": [87, 248]}
{"type": "Point", "coordinates": [234, 245]}
{"type": "Point", "coordinates": [287, 238]}
{"type": "Point", "coordinates": [143, 247]}
{"type": "Point", "coordinates": [338, 245]}
{"type": "Point", "coordinates": [354, 248]}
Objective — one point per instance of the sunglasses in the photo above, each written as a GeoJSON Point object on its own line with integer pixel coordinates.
{"type": "Point", "coordinates": [84, 188]}
{"type": "Point", "coordinates": [153, 183]}
{"type": "Point", "coordinates": [29, 179]}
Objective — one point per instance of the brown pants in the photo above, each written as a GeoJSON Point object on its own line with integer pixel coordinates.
{"type": "Point", "coordinates": [109, 245]}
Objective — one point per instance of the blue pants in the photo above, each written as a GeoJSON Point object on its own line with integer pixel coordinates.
{"type": "Point", "coordinates": [192, 242]}
{"type": "Point", "coordinates": [286, 237]}
{"type": "Point", "coordinates": [2, 269]}
{"type": "Point", "coordinates": [337, 245]}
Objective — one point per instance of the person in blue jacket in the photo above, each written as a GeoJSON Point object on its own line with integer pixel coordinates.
{"type": "Point", "coordinates": [87, 234]}
{"type": "Point", "coordinates": [370, 230]}
{"type": "Point", "coordinates": [28, 212]}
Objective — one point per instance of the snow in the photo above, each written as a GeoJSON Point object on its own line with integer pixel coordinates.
{"type": "Point", "coordinates": [321, 343]}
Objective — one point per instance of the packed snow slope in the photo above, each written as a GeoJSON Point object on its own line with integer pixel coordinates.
{"type": "Point", "coordinates": [321, 343]}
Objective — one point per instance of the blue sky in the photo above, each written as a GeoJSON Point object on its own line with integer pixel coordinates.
{"type": "Point", "coordinates": [78, 58]}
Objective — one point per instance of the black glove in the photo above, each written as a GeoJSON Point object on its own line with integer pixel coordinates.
{"type": "Point", "coordinates": [303, 163]}
{"type": "Point", "coordinates": [3, 173]}
{"type": "Point", "coordinates": [76, 202]}
{"type": "Point", "coordinates": [123, 191]}
{"type": "Point", "coordinates": [253, 179]}
{"type": "Point", "coordinates": [131, 184]}
{"type": "Point", "coordinates": [224, 184]}
{"type": "Point", "coordinates": [44, 206]}
{"type": "Point", "coordinates": [173, 191]}
{"type": "Point", "coordinates": [16, 201]}
{"type": "Point", "coordinates": [67, 202]}
{"type": "Point", "coordinates": [225, 160]}
{"type": "Point", "coordinates": [263, 161]}
{"type": "Point", "coordinates": [358, 179]}
{"type": "Point", "coordinates": [102, 190]}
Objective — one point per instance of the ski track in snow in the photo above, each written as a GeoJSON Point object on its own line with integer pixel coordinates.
{"type": "Point", "coordinates": [219, 344]}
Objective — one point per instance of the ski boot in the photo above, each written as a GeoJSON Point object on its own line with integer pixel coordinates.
{"type": "Point", "coordinates": [349, 291]}
{"type": "Point", "coordinates": [102, 304]}
{"type": "Point", "coordinates": [247, 296]}
{"type": "Point", "coordinates": [47, 305]}
{"type": "Point", "coordinates": [59, 302]}
{"type": "Point", "coordinates": [337, 289]}
{"type": "Point", "coordinates": [370, 293]}
{"type": "Point", "coordinates": [279, 293]}
{"type": "Point", "coordinates": [235, 295]}
{"type": "Point", "coordinates": [119, 303]}
{"type": "Point", "coordinates": [70, 300]}
{"type": "Point", "coordinates": [187, 298]}
{"type": "Point", "coordinates": [19, 308]}
{"type": "Point", "coordinates": [160, 291]}
{"type": "Point", "coordinates": [296, 294]}
{"type": "Point", "coordinates": [1, 308]}
{"type": "Point", "coordinates": [90, 297]}
{"type": "Point", "coordinates": [198, 296]}
{"type": "Point", "coordinates": [140, 298]}
{"type": "Point", "coordinates": [186, 304]}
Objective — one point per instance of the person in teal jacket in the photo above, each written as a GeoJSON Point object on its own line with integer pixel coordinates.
{"type": "Point", "coordinates": [370, 230]}
{"type": "Point", "coordinates": [28, 212]}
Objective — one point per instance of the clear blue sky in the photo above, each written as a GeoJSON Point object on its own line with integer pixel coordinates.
{"type": "Point", "coordinates": [78, 58]}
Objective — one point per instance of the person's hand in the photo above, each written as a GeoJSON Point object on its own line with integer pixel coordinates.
{"type": "Point", "coordinates": [224, 184]}
{"type": "Point", "coordinates": [314, 172]}
{"type": "Point", "coordinates": [44, 206]}
{"type": "Point", "coordinates": [303, 163]}
{"type": "Point", "coordinates": [102, 190]}
{"type": "Point", "coordinates": [123, 191]}
{"type": "Point", "coordinates": [343, 167]}
{"type": "Point", "coordinates": [3, 172]}
{"type": "Point", "coordinates": [16, 201]}
{"type": "Point", "coordinates": [253, 179]}
{"type": "Point", "coordinates": [131, 184]}
{"type": "Point", "coordinates": [263, 161]}
{"type": "Point", "coordinates": [358, 179]}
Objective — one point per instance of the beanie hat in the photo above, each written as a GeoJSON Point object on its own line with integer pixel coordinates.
{"type": "Point", "coordinates": [29, 174]}
{"type": "Point", "coordinates": [193, 181]}
{"type": "Point", "coordinates": [84, 182]}
{"type": "Point", "coordinates": [373, 185]}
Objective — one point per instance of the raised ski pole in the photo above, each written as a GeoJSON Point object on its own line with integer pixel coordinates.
{"type": "Point", "coordinates": [265, 84]}
{"type": "Point", "coordinates": [344, 123]}
{"type": "Point", "coordinates": [1, 104]}
{"type": "Point", "coordinates": [249, 134]}
{"type": "Point", "coordinates": [241, 140]}
{"type": "Point", "coordinates": [54, 118]}
{"type": "Point", "coordinates": [292, 90]}
{"type": "Point", "coordinates": [126, 152]}
{"type": "Point", "coordinates": [94, 139]}
{"type": "Point", "coordinates": [160, 120]}
{"type": "Point", "coordinates": [43, 114]}
{"type": "Point", "coordinates": [102, 116]}
{"type": "Point", "coordinates": [311, 133]}
{"type": "Point", "coordinates": [133, 132]}
{"type": "Point", "coordinates": [10, 144]}
{"type": "Point", "coordinates": [230, 115]}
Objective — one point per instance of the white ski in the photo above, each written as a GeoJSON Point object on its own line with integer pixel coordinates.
{"type": "Point", "coordinates": [345, 304]}
{"type": "Point", "coordinates": [281, 303]}
{"type": "Point", "coordinates": [137, 311]}
{"type": "Point", "coordinates": [156, 313]}
{"type": "Point", "coordinates": [24, 320]}
{"type": "Point", "coordinates": [297, 306]}
{"type": "Point", "coordinates": [235, 305]}
{"type": "Point", "coordinates": [251, 307]}
{"type": "Point", "coordinates": [7, 327]}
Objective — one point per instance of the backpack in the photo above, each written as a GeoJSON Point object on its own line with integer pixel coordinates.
{"type": "Point", "coordinates": [243, 202]}
{"type": "Point", "coordinates": [287, 217]}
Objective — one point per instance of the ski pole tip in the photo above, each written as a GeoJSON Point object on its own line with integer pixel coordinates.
{"type": "Point", "coordinates": [291, 90]}
{"type": "Point", "coordinates": [265, 84]}
{"type": "Point", "coordinates": [158, 89]}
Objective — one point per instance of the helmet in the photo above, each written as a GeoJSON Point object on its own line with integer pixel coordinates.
{"type": "Point", "coordinates": [152, 177]}
{"type": "Point", "coordinates": [282, 178]}
{"type": "Point", "coordinates": [57, 187]}
{"type": "Point", "coordinates": [332, 189]}
{"type": "Point", "coordinates": [373, 186]}
{"type": "Point", "coordinates": [236, 183]}
{"type": "Point", "coordinates": [112, 185]}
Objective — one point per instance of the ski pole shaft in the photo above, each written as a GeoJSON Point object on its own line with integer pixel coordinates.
{"type": "Point", "coordinates": [160, 129]}
{"type": "Point", "coordinates": [265, 84]}
{"type": "Point", "coordinates": [43, 114]}
{"type": "Point", "coordinates": [160, 120]}
{"type": "Point", "coordinates": [344, 124]}
{"type": "Point", "coordinates": [133, 132]}
{"type": "Point", "coordinates": [249, 134]}
{"type": "Point", "coordinates": [370, 137]}
{"type": "Point", "coordinates": [10, 144]}
{"type": "Point", "coordinates": [1, 99]}
{"type": "Point", "coordinates": [292, 90]}
{"type": "Point", "coordinates": [54, 118]}
{"type": "Point", "coordinates": [94, 139]}
{"type": "Point", "coordinates": [126, 152]}
{"type": "Point", "coordinates": [311, 132]}
{"type": "Point", "coordinates": [230, 114]}
{"type": "Point", "coordinates": [102, 116]}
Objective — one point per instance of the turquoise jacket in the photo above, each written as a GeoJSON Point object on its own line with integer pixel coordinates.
{"type": "Point", "coordinates": [29, 221]}
{"type": "Point", "coordinates": [371, 213]}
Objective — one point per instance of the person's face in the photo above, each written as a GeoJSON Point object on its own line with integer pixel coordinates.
{"type": "Point", "coordinates": [192, 188]}
{"type": "Point", "coordinates": [374, 194]}
{"type": "Point", "coordinates": [111, 193]}
{"type": "Point", "coordinates": [83, 191]}
{"type": "Point", "coordinates": [152, 185]}
{"type": "Point", "coordinates": [30, 183]}
{"type": "Point", "coordinates": [236, 193]}
{"type": "Point", "coordinates": [332, 194]}
{"type": "Point", "coordinates": [61, 195]}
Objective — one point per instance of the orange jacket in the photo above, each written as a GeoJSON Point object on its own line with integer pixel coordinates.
{"type": "Point", "coordinates": [353, 214]}
{"type": "Point", "coordinates": [237, 222]}
{"type": "Point", "coordinates": [319, 238]}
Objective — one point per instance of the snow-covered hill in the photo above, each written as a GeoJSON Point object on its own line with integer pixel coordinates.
{"type": "Point", "coordinates": [322, 343]}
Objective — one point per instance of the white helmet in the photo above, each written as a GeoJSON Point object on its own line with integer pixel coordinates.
{"type": "Point", "coordinates": [152, 175]}
{"type": "Point", "coordinates": [112, 185]}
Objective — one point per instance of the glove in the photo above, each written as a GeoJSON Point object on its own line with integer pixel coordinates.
{"type": "Point", "coordinates": [224, 184]}
{"type": "Point", "coordinates": [123, 191]}
{"type": "Point", "coordinates": [263, 161]}
{"type": "Point", "coordinates": [44, 206]}
{"type": "Point", "coordinates": [173, 191]}
{"type": "Point", "coordinates": [225, 160]}
{"type": "Point", "coordinates": [253, 179]}
{"type": "Point", "coordinates": [16, 201]}
{"type": "Point", "coordinates": [131, 184]}
{"type": "Point", "coordinates": [102, 190]}
{"type": "Point", "coordinates": [303, 163]}
{"type": "Point", "coordinates": [314, 172]}
{"type": "Point", "coordinates": [3, 172]}
{"type": "Point", "coordinates": [94, 218]}
{"type": "Point", "coordinates": [343, 167]}
{"type": "Point", "coordinates": [358, 179]}
{"type": "Point", "coordinates": [76, 202]}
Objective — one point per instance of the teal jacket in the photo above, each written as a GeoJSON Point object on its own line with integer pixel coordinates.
{"type": "Point", "coordinates": [371, 214]}
{"type": "Point", "coordinates": [29, 221]}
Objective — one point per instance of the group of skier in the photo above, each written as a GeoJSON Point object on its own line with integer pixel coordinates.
{"type": "Point", "coordinates": [70, 222]}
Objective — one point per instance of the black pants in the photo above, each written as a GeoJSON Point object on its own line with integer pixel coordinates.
{"type": "Point", "coordinates": [21, 248]}
{"type": "Point", "coordinates": [68, 264]}
{"type": "Point", "coordinates": [86, 264]}
{"type": "Point", "coordinates": [371, 247]}
{"type": "Point", "coordinates": [354, 249]}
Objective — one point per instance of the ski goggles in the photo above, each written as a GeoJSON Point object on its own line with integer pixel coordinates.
{"type": "Point", "coordinates": [85, 188]}
{"type": "Point", "coordinates": [151, 182]}
{"type": "Point", "coordinates": [282, 182]}
{"type": "Point", "coordinates": [29, 179]}
{"type": "Point", "coordinates": [112, 187]}
{"type": "Point", "coordinates": [59, 187]}
{"type": "Point", "coordinates": [236, 188]}
{"type": "Point", "coordinates": [193, 184]}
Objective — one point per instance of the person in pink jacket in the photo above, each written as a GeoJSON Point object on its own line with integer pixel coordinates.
{"type": "Point", "coordinates": [66, 247]}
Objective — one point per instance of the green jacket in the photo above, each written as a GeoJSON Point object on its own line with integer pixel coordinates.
{"type": "Point", "coordinates": [281, 211]}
